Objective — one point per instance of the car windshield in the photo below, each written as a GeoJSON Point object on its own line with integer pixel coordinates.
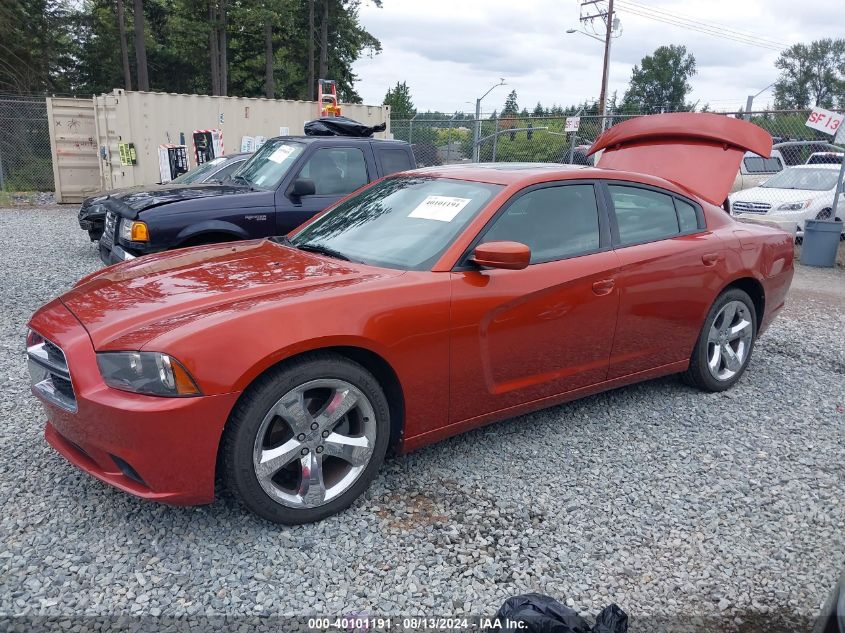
{"type": "Point", "coordinates": [404, 222]}
{"type": "Point", "coordinates": [801, 178]}
{"type": "Point", "coordinates": [266, 168]}
{"type": "Point", "coordinates": [199, 174]}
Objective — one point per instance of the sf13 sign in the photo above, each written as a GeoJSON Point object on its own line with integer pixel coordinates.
{"type": "Point", "coordinates": [825, 120]}
{"type": "Point", "coordinates": [572, 124]}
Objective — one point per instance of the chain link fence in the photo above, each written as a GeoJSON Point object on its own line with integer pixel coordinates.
{"type": "Point", "coordinates": [763, 190]}
{"type": "Point", "coordinates": [25, 157]}
{"type": "Point", "coordinates": [26, 163]}
{"type": "Point", "coordinates": [544, 139]}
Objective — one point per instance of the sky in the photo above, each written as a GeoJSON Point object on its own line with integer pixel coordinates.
{"type": "Point", "coordinates": [451, 51]}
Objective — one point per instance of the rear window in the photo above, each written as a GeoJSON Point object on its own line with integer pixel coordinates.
{"type": "Point", "coordinates": [394, 160]}
{"type": "Point", "coordinates": [760, 165]}
{"type": "Point", "coordinates": [825, 159]}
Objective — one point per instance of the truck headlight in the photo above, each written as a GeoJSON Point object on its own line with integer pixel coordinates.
{"type": "Point", "coordinates": [794, 206]}
{"type": "Point", "coordinates": [150, 373]}
{"type": "Point", "coordinates": [134, 231]}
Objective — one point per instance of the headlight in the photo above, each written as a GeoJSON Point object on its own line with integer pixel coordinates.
{"type": "Point", "coordinates": [150, 373]}
{"type": "Point", "coordinates": [132, 231]}
{"type": "Point", "coordinates": [794, 206]}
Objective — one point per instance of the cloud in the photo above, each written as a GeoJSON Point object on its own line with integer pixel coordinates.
{"type": "Point", "coordinates": [451, 52]}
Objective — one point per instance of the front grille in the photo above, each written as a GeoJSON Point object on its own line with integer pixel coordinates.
{"type": "Point", "coordinates": [55, 353]}
{"type": "Point", "coordinates": [110, 225]}
{"type": "Point", "coordinates": [63, 386]}
{"type": "Point", "coordinates": [50, 374]}
{"type": "Point", "coordinates": [751, 207]}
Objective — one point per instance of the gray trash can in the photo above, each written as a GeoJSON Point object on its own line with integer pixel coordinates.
{"type": "Point", "coordinates": [821, 239]}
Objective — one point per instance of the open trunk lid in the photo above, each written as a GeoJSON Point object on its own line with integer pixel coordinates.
{"type": "Point", "coordinates": [698, 151]}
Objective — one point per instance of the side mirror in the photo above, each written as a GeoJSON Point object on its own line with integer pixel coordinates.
{"type": "Point", "coordinates": [303, 187]}
{"type": "Point", "coordinates": [507, 255]}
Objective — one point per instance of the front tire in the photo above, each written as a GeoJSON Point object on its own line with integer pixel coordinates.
{"type": "Point", "coordinates": [306, 439]}
{"type": "Point", "coordinates": [724, 346]}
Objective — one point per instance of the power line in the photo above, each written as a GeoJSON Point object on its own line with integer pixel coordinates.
{"type": "Point", "coordinates": [700, 28]}
{"type": "Point", "coordinates": [703, 23]}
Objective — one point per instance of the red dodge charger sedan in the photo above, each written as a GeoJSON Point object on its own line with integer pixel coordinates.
{"type": "Point", "coordinates": [426, 304]}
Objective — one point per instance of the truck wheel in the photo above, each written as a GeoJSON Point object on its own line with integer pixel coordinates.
{"type": "Point", "coordinates": [306, 439]}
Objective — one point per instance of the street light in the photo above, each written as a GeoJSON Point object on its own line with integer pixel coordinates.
{"type": "Point", "coordinates": [750, 101]}
{"type": "Point", "coordinates": [595, 37]}
{"type": "Point", "coordinates": [477, 132]}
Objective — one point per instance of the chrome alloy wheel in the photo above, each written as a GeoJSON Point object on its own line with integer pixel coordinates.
{"type": "Point", "coordinates": [729, 340]}
{"type": "Point", "coordinates": [314, 442]}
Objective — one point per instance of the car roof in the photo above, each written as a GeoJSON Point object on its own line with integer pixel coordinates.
{"type": "Point", "coordinates": [527, 173]}
{"type": "Point", "coordinates": [359, 139]}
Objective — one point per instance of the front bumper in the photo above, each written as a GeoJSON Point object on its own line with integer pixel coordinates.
{"type": "Point", "coordinates": [94, 223]}
{"type": "Point", "coordinates": [114, 254]}
{"type": "Point", "coordinates": [162, 449]}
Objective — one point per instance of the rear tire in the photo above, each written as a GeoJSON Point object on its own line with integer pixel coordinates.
{"type": "Point", "coordinates": [723, 349]}
{"type": "Point", "coordinates": [306, 439]}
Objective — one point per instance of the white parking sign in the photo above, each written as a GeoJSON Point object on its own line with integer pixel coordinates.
{"type": "Point", "coordinates": [825, 121]}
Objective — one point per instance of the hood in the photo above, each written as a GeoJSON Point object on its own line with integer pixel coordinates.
{"type": "Point", "coordinates": [780, 196]}
{"type": "Point", "coordinates": [105, 195]}
{"type": "Point", "coordinates": [127, 305]}
{"type": "Point", "coordinates": [130, 202]}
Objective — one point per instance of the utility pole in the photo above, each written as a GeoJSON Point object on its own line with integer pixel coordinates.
{"type": "Point", "coordinates": [609, 19]}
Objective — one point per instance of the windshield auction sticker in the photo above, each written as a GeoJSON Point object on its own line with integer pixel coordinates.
{"type": "Point", "coordinates": [441, 208]}
{"type": "Point", "coordinates": [281, 153]}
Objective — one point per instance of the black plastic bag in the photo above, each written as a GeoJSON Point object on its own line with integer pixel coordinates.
{"type": "Point", "coordinates": [542, 614]}
{"type": "Point", "coordinates": [611, 619]}
{"type": "Point", "coordinates": [341, 126]}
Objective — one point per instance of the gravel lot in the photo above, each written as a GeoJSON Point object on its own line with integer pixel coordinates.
{"type": "Point", "coordinates": [667, 501]}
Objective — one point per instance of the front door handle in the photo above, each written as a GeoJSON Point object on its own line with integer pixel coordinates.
{"type": "Point", "coordinates": [604, 286]}
{"type": "Point", "coordinates": [709, 259]}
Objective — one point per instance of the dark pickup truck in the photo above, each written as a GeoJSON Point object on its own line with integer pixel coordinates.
{"type": "Point", "coordinates": [285, 182]}
{"type": "Point", "coordinates": [92, 213]}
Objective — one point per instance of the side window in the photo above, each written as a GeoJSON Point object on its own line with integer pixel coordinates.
{"type": "Point", "coordinates": [687, 217]}
{"type": "Point", "coordinates": [643, 215]}
{"type": "Point", "coordinates": [336, 170]}
{"type": "Point", "coordinates": [554, 222]}
{"type": "Point", "coordinates": [228, 170]}
{"type": "Point", "coordinates": [393, 160]}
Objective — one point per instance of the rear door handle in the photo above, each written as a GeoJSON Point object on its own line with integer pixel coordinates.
{"type": "Point", "coordinates": [604, 286]}
{"type": "Point", "coordinates": [709, 259]}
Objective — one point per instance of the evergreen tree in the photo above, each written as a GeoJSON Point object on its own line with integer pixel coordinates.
{"type": "Point", "coordinates": [399, 100]}
{"type": "Point", "coordinates": [511, 107]}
